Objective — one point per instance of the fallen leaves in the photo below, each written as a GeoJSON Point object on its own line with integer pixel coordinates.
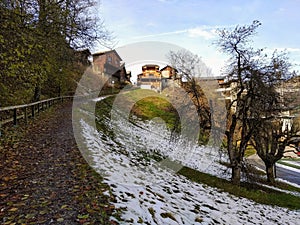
{"type": "Point", "coordinates": [25, 197]}
{"type": "Point", "coordinates": [83, 216]}
{"type": "Point", "coordinates": [44, 178]}
{"type": "Point", "coordinates": [60, 219]}
{"type": "Point", "coordinates": [13, 209]}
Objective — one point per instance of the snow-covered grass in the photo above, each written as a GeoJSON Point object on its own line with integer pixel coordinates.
{"type": "Point", "coordinates": [291, 165]}
{"type": "Point", "coordinates": [152, 194]}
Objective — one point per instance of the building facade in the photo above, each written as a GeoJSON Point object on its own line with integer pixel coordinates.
{"type": "Point", "coordinates": [111, 64]}
{"type": "Point", "coordinates": [150, 78]}
{"type": "Point", "coordinates": [154, 78]}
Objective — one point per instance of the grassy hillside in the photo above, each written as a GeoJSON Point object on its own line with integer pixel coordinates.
{"type": "Point", "coordinates": [148, 108]}
{"type": "Point", "coordinates": [156, 106]}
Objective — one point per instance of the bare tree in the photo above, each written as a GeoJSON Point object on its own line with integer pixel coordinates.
{"type": "Point", "coordinates": [257, 100]}
{"type": "Point", "coordinates": [270, 137]}
{"type": "Point", "coordinates": [270, 142]}
{"type": "Point", "coordinates": [238, 133]}
{"type": "Point", "coordinates": [190, 67]}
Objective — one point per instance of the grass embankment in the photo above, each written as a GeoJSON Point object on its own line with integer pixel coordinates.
{"type": "Point", "coordinates": [254, 192]}
{"type": "Point", "coordinates": [147, 108]}
{"type": "Point", "coordinates": [151, 107]}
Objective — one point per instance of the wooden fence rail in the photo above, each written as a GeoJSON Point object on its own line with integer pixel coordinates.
{"type": "Point", "coordinates": [16, 113]}
{"type": "Point", "coordinates": [19, 112]}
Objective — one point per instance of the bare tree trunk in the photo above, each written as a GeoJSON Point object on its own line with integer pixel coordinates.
{"type": "Point", "coordinates": [232, 153]}
{"type": "Point", "coordinates": [37, 93]}
{"type": "Point", "coordinates": [270, 172]}
{"type": "Point", "coordinates": [236, 174]}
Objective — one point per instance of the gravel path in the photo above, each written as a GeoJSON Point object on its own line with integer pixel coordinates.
{"type": "Point", "coordinates": [45, 180]}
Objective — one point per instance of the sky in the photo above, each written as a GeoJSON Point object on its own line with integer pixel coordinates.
{"type": "Point", "coordinates": [191, 24]}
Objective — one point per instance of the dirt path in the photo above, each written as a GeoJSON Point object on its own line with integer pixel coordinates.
{"type": "Point", "coordinates": [45, 180]}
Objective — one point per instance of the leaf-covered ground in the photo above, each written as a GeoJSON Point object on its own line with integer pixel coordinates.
{"type": "Point", "coordinates": [45, 180]}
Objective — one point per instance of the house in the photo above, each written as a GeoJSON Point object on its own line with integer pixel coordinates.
{"type": "Point", "coordinates": [150, 78]}
{"type": "Point", "coordinates": [111, 64]}
{"type": "Point", "coordinates": [169, 72]}
{"type": "Point", "coordinates": [289, 91]}
{"type": "Point", "coordinates": [228, 89]}
{"type": "Point", "coordinates": [154, 78]}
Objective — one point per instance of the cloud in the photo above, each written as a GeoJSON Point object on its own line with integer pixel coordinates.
{"type": "Point", "coordinates": [202, 32]}
{"type": "Point", "coordinates": [161, 34]}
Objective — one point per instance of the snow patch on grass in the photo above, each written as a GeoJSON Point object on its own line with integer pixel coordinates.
{"type": "Point", "coordinates": [155, 195]}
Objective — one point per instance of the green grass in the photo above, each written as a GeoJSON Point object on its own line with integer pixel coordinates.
{"type": "Point", "coordinates": [104, 107]}
{"type": "Point", "coordinates": [146, 109]}
{"type": "Point", "coordinates": [152, 107]}
{"type": "Point", "coordinates": [292, 159]}
{"type": "Point", "coordinates": [155, 106]}
{"type": "Point", "coordinates": [285, 186]}
{"type": "Point", "coordinates": [259, 194]}
{"type": "Point", "coordinates": [250, 150]}
{"type": "Point", "coordinates": [149, 105]}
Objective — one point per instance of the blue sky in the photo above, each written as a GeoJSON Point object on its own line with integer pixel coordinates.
{"type": "Point", "coordinates": [191, 24]}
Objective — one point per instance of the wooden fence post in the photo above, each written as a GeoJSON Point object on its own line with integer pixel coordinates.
{"type": "Point", "coordinates": [25, 115]}
{"type": "Point", "coordinates": [32, 111]}
{"type": "Point", "coordinates": [15, 117]}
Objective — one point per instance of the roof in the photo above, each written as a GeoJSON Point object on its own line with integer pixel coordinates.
{"type": "Point", "coordinates": [168, 66]}
{"type": "Point", "coordinates": [106, 52]}
{"type": "Point", "coordinates": [83, 51]}
{"type": "Point", "coordinates": [150, 65]}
